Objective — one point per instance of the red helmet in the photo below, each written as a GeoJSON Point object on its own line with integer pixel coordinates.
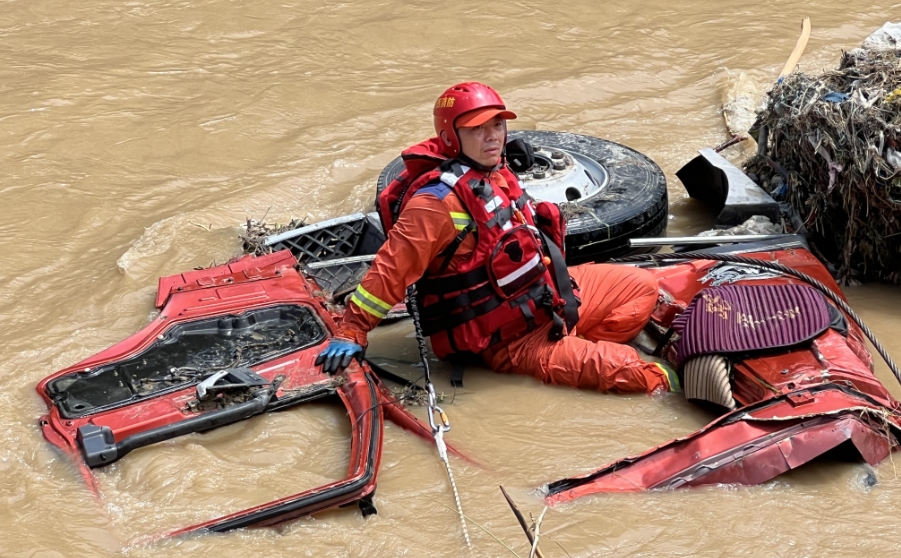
{"type": "Point", "coordinates": [472, 97]}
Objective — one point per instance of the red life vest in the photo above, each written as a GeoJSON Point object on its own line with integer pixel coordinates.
{"type": "Point", "coordinates": [506, 287]}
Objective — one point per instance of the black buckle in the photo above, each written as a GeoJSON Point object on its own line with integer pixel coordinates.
{"type": "Point", "coordinates": [556, 332]}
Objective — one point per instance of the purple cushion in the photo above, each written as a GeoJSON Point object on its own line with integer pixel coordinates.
{"type": "Point", "coordinates": [741, 318]}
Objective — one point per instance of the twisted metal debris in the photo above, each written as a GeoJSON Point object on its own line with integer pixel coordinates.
{"type": "Point", "coordinates": [830, 146]}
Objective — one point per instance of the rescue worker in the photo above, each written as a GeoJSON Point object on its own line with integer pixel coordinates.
{"type": "Point", "coordinates": [488, 265]}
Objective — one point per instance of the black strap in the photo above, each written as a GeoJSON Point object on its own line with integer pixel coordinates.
{"type": "Point", "coordinates": [563, 283]}
{"type": "Point", "coordinates": [664, 342]}
{"type": "Point", "coordinates": [457, 370]}
{"type": "Point", "coordinates": [386, 375]}
{"type": "Point", "coordinates": [556, 332]}
{"type": "Point", "coordinates": [477, 186]}
{"type": "Point", "coordinates": [459, 361]}
{"type": "Point", "coordinates": [530, 317]}
{"type": "Point", "coordinates": [457, 168]}
{"type": "Point", "coordinates": [481, 188]}
{"type": "Point", "coordinates": [395, 207]}
{"type": "Point", "coordinates": [422, 157]}
{"type": "Point", "coordinates": [449, 322]}
{"type": "Point", "coordinates": [451, 341]}
{"type": "Point", "coordinates": [452, 248]}
{"type": "Point", "coordinates": [501, 217]}
{"type": "Point", "coordinates": [495, 338]}
{"type": "Point", "coordinates": [446, 306]}
{"type": "Point", "coordinates": [523, 200]}
{"type": "Point", "coordinates": [453, 283]}
{"type": "Point", "coordinates": [452, 165]}
{"type": "Point", "coordinates": [536, 292]}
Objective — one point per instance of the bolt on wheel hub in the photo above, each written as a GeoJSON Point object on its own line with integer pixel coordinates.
{"type": "Point", "coordinates": [561, 176]}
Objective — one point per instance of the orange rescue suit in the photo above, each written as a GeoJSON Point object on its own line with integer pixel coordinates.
{"type": "Point", "coordinates": [616, 303]}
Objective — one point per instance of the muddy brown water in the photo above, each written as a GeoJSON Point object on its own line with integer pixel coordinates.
{"type": "Point", "coordinates": [136, 136]}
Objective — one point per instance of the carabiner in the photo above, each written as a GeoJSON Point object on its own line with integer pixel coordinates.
{"type": "Point", "coordinates": [443, 425]}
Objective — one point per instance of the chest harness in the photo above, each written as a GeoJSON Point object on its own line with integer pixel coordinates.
{"type": "Point", "coordinates": [515, 279]}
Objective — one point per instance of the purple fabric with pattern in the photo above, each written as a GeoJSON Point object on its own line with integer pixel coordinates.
{"type": "Point", "coordinates": [739, 318]}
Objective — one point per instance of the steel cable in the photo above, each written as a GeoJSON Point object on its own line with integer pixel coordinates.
{"type": "Point", "coordinates": [437, 430]}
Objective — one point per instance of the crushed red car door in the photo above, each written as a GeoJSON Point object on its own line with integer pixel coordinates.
{"type": "Point", "coordinates": [229, 343]}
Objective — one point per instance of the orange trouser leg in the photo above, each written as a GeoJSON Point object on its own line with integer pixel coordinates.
{"type": "Point", "coordinates": [616, 303]}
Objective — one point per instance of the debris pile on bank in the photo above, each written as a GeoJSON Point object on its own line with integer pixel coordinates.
{"type": "Point", "coordinates": [830, 146]}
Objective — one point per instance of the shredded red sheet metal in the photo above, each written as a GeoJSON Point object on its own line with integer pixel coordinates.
{"type": "Point", "coordinates": [92, 405]}
{"type": "Point", "coordinates": [797, 402]}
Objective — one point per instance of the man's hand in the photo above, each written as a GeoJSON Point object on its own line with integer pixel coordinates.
{"type": "Point", "coordinates": [520, 155]}
{"type": "Point", "coordinates": [338, 354]}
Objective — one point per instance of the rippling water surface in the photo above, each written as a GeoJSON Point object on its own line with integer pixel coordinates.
{"type": "Point", "coordinates": [136, 137]}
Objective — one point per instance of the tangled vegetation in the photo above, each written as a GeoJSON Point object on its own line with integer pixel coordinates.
{"type": "Point", "coordinates": [256, 233]}
{"type": "Point", "coordinates": [830, 146]}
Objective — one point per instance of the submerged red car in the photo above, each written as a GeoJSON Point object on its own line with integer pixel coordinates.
{"type": "Point", "coordinates": [788, 369]}
{"type": "Point", "coordinates": [758, 331]}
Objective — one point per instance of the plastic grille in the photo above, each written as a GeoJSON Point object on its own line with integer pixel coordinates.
{"type": "Point", "coordinates": [339, 279]}
{"type": "Point", "coordinates": [330, 242]}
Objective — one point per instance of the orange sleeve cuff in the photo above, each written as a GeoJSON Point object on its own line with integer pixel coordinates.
{"type": "Point", "coordinates": [355, 334]}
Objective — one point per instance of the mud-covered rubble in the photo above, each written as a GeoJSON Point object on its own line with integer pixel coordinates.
{"type": "Point", "coordinates": [830, 147]}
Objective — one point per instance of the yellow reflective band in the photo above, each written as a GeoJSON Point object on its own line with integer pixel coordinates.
{"type": "Point", "coordinates": [365, 300]}
{"type": "Point", "coordinates": [461, 220]}
{"type": "Point", "coordinates": [671, 378]}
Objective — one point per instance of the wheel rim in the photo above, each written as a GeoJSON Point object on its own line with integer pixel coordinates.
{"type": "Point", "coordinates": [561, 176]}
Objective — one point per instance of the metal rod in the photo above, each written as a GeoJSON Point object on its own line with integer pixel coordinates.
{"type": "Point", "coordinates": [730, 239]}
{"type": "Point", "coordinates": [276, 238]}
{"type": "Point", "coordinates": [340, 261]}
{"type": "Point", "coordinates": [729, 143]}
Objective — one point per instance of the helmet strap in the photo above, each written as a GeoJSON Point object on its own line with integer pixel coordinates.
{"type": "Point", "coordinates": [466, 160]}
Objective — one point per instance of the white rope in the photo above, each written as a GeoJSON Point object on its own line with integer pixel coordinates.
{"type": "Point", "coordinates": [450, 476]}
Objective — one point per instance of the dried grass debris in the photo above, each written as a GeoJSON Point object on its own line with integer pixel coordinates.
{"type": "Point", "coordinates": [830, 145]}
{"type": "Point", "coordinates": [256, 232]}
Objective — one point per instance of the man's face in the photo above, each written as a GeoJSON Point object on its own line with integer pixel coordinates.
{"type": "Point", "coordinates": [483, 144]}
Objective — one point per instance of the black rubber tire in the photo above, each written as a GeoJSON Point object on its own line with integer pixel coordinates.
{"type": "Point", "coordinates": [633, 205]}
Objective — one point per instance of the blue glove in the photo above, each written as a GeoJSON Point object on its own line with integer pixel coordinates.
{"type": "Point", "coordinates": [338, 354]}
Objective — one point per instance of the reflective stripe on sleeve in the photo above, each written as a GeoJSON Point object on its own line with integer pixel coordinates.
{"type": "Point", "coordinates": [461, 220]}
{"type": "Point", "coordinates": [372, 304]}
